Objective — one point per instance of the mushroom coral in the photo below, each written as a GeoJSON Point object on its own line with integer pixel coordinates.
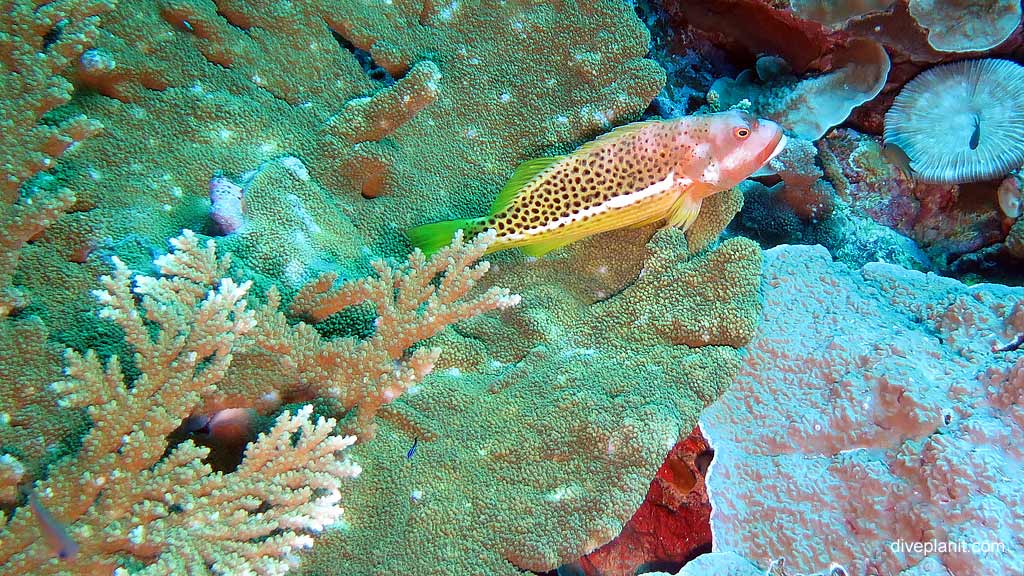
{"type": "Point", "coordinates": [961, 122]}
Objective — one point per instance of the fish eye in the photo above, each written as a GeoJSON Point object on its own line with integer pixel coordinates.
{"type": "Point", "coordinates": [741, 132]}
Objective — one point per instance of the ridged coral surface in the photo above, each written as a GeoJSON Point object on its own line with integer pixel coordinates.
{"type": "Point", "coordinates": [878, 412]}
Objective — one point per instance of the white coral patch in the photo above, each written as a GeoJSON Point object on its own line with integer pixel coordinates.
{"type": "Point", "coordinates": [564, 492]}
{"type": "Point", "coordinates": [296, 167]}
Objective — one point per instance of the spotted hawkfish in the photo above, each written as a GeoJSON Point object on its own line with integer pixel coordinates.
{"type": "Point", "coordinates": [637, 174]}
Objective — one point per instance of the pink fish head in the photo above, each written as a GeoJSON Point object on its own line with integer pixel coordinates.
{"type": "Point", "coordinates": [730, 146]}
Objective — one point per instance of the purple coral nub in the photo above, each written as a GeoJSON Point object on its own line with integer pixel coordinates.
{"type": "Point", "coordinates": [227, 204]}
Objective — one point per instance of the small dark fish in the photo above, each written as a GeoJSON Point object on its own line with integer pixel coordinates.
{"type": "Point", "coordinates": [56, 534]}
{"type": "Point", "coordinates": [976, 135]}
{"type": "Point", "coordinates": [703, 461]}
{"type": "Point", "coordinates": [198, 423]}
{"type": "Point", "coordinates": [408, 455]}
{"type": "Point", "coordinates": [53, 35]}
{"type": "Point", "coordinates": [898, 158]}
{"type": "Point", "coordinates": [1010, 346]}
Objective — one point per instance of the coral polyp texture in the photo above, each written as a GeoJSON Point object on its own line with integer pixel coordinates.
{"type": "Point", "coordinates": [465, 91]}
{"type": "Point", "coordinates": [32, 87]}
{"type": "Point", "coordinates": [295, 387]}
{"type": "Point", "coordinates": [875, 423]}
{"type": "Point", "coordinates": [397, 113]}
{"type": "Point", "coordinates": [961, 122]}
{"type": "Point", "coordinates": [123, 503]}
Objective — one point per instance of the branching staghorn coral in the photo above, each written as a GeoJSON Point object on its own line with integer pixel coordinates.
{"type": "Point", "coordinates": [36, 44]}
{"type": "Point", "coordinates": [38, 41]}
{"type": "Point", "coordinates": [120, 500]}
{"type": "Point", "coordinates": [188, 328]}
{"type": "Point", "coordinates": [281, 360]}
{"type": "Point", "coordinates": [186, 88]}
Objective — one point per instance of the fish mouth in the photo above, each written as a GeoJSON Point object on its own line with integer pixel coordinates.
{"type": "Point", "coordinates": [780, 143]}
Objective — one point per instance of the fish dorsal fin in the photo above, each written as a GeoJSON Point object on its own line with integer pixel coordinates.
{"type": "Point", "coordinates": [684, 212]}
{"type": "Point", "coordinates": [615, 134]}
{"type": "Point", "coordinates": [541, 248]}
{"type": "Point", "coordinates": [523, 174]}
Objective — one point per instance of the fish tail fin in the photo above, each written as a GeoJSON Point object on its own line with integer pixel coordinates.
{"type": "Point", "coordinates": [432, 237]}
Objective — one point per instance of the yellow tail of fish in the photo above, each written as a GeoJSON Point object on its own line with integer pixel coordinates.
{"type": "Point", "coordinates": [432, 237]}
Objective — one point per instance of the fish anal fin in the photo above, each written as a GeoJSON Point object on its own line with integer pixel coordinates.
{"type": "Point", "coordinates": [523, 174]}
{"type": "Point", "coordinates": [541, 248]}
{"type": "Point", "coordinates": [684, 211]}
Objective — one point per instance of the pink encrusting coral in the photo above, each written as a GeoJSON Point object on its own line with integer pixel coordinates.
{"type": "Point", "coordinates": [876, 423]}
{"type": "Point", "coordinates": [38, 42]}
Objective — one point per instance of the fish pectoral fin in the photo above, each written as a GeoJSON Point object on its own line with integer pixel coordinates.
{"type": "Point", "coordinates": [684, 212]}
{"type": "Point", "coordinates": [646, 221]}
{"type": "Point", "coordinates": [541, 248]}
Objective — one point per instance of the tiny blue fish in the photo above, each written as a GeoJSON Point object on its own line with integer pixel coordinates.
{"type": "Point", "coordinates": [408, 455]}
{"type": "Point", "coordinates": [55, 533]}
